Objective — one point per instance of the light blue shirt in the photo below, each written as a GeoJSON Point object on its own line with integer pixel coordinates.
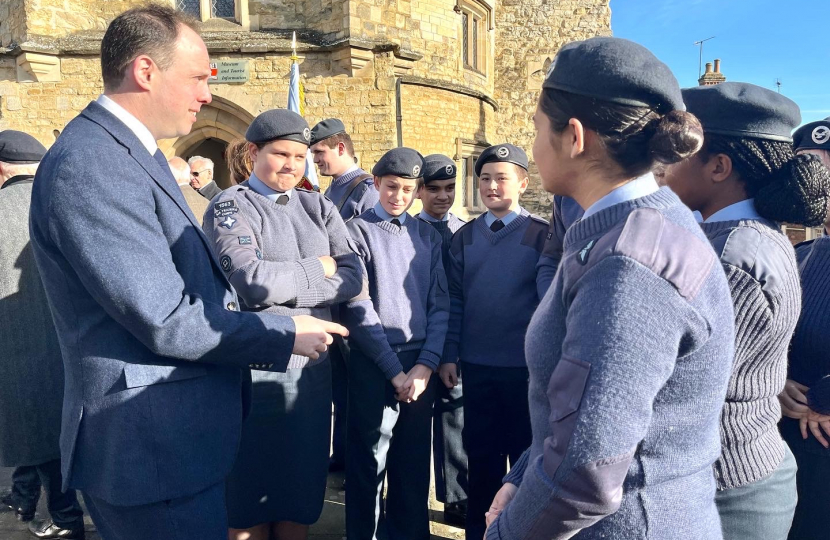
{"type": "Point", "coordinates": [259, 186]}
{"type": "Point", "coordinates": [639, 187]}
{"type": "Point", "coordinates": [386, 216]}
{"type": "Point", "coordinates": [489, 218]}
{"type": "Point", "coordinates": [740, 210]}
{"type": "Point", "coordinates": [426, 217]}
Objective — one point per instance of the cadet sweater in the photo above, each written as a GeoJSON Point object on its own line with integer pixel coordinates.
{"type": "Point", "coordinates": [364, 196]}
{"type": "Point", "coordinates": [761, 271]}
{"type": "Point", "coordinates": [270, 254]}
{"type": "Point", "coordinates": [810, 351]}
{"type": "Point", "coordinates": [446, 229]}
{"type": "Point", "coordinates": [404, 304]}
{"type": "Point", "coordinates": [493, 290]}
{"type": "Point", "coordinates": [629, 354]}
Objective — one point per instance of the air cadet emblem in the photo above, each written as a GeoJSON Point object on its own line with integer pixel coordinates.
{"type": "Point", "coordinates": [228, 222]}
{"type": "Point", "coordinates": [244, 240]}
{"type": "Point", "coordinates": [450, 170]}
{"type": "Point", "coordinates": [503, 152]}
{"type": "Point", "coordinates": [416, 170]}
{"type": "Point", "coordinates": [821, 135]}
{"type": "Point", "coordinates": [307, 134]}
{"type": "Point", "coordinates": [584, 252]}
{"type": "Point", "coordinates": [225, 261]}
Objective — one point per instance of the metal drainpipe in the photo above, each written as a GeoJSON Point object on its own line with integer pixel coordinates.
{"type": "Point", "coordinates": [399, 112]}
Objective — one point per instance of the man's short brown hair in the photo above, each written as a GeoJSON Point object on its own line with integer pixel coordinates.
{"type": "Point", "coordinates": [151, 30]}
{"type": "Point", "coordinates": [344, 138]}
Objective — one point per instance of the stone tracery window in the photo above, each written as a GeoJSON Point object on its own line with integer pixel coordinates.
{"type": "Point", "coordinates": [475, 23]}
{"type": "Point", "coordinates": [233, 10]}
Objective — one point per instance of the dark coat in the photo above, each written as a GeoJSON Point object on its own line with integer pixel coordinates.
{"type": "Point", "coordinates": [154, 345]}
{"type": "Point", "coordinates": [31, 370]}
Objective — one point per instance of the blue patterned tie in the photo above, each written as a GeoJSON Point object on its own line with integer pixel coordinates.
{"type": "Point", "coordinates": [162, 161]}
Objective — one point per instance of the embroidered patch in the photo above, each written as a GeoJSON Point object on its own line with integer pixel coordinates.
{"type": "Point", "coordinates": [582, 256]}
{"type": "Point", "coordinates": [416, 170]}
{"type": "Point", "coordinates": [821, 134]}
{"type": "Point", "coordinates": [225, 208]}
{"type": "Point", "coordinates": [228, 222]}
{"type": "Point", "coordinates": [225, 261]}
{"type": "Point", "coordinates": [258, 254]}
{"type": "Point", "coordinates": [503, 152]}
{"type": "Point", "coordinates": [244, 240]}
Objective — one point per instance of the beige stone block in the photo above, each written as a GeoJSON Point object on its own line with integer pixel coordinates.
{"type": "Point", "coordinates": [34, 67]}
{"type": "Point", "coordinates": [13, 103]}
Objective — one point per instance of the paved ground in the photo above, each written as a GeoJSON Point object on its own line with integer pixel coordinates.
{"type": "Point", "coordinates": [330, 526]}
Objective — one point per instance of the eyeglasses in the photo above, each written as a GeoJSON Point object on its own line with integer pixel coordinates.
{"type": "Point", "coordinates": [197, 173]}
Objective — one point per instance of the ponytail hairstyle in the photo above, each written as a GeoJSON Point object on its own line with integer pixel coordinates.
{"type": "Point", "coordinates": [635, 137]}
{"type": "Point", "coordinates": [786, 187]}
{"type": "Point", "coordinates": [239, 161]}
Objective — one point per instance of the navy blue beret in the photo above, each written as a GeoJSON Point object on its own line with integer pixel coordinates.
{"type": "Point", "coordinates": [743, 110]}
{"type": "Point", "coordinates": [505, 153]}
{"type": "Point", "coordinates": [403, 162]}
{"type": "Point", "coordinates": [813, 136]}
{"type": "Point", "coordinates": [325, 129]}
{"type": "Point", "coordinates": [278, 125]}
{"type": "Point", "coordinates": [19, 147]}
{"type": "Point", "coordinates": [616, 70]}
{"type": "Point", "coordinates": [438, 167]}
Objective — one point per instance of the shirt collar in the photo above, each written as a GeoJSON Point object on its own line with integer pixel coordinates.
{"type": "Point", "coordinates": [271, 194]}
{"type": "Point", "coordinates": [426, 217]}
{"type": "Point", "coordinates": [639, 187]}
{"type": "Point", "coordinates": [133, 123]}
{"type": "Point", "coordinates": [740, 210]}
{"type": "Point", "coordinates": [489, 218]}
{"type": "Point", "coordinates": [386, 216]}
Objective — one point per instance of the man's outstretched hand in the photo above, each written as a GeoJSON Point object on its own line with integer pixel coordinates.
{"type": "Point", "coordinates": [313, 336]}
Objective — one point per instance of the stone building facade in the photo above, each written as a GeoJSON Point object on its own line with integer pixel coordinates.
{"type": "Point", "coordinates": [442, 76]}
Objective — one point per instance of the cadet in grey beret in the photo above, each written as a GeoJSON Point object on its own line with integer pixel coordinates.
{"type": "Point", "coordinates": [506, 153]}
{"type": "Point", "coordinates": [438, 167]}
{"type": "Point", "coordinates": [325, 129]}
{"type": "Point", "coordinates": [813, 136]}
{"type": "Point", "coordinates": [743, 110]}
{"type": "Point", "coordinates": [402, 162]}
{"type": "Point", "coordinates": [19, 147]}
{"type": "Point", "coordinates": [616, 70]}
{"type": "Point", "coordinates": [278, 124]}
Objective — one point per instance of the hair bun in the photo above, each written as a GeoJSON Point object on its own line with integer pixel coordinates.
{"type": "Point", "coordinates": [678, 136]}
{"type": "Point", "coordinates": [798, 193]}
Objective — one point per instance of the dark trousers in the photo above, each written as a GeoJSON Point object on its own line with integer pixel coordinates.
{"type": "Point", "coordinates": [448, 456]}
{"type": "Point", "coordinates": [496, 429]}
{"type": "Point", "coordinates": [196, 517]}
{"type": "Point", "coordinates": [387, 439]}
{"type": "Point", "coordinates": [762, 510]}
{"type": "Point", "coordinates": [63, 507]}
{"type": "Point", "coordinates": [812, 481]}
{"type": "Point", "coordinates": [339, 398]}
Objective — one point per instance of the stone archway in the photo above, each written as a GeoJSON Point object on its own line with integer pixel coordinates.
{"type": "Point", "coordinates": [217, 124]}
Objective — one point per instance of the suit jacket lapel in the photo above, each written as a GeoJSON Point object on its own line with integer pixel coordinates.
{"type": "Point", "coordinates": [139, 153]}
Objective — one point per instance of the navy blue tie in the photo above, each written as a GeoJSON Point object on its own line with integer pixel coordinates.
{"type": "Point", "coordinates": [497, 225]}
{"type": "Point", "coordinates": [162, 161]}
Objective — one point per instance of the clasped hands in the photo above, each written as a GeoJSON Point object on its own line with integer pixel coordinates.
{"type": "Point", "coordinates": [410, 386]}
{"type": "Point", "coordinates": [794, 405]}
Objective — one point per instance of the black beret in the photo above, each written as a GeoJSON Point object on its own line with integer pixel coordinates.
{"type": "Point", "coordinates": [438, 167]}
{"type": "Point", "coordinates": [278, 125]}
{"type": "Point", "coordinates": [616, 70]}
{"type": "Point", "coordinates": [815, 135]}
{"type": "Point", "coordinates": [505, 153]}
{"type": "Point", "coordinates": [325, 129]}
{"type": "Point", "coordinates": [403, 162]}
{"type": "Point", "coordinates": [19, 147]}
{"type": "Point", "coordinates": [743, 110]}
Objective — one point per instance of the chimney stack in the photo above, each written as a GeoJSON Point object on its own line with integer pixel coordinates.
{"type": "Point", "coordinates": [712, 76]}
{"type": "Point", "coordinates": [708, 68]}
{"type": "Point", "coordinates": [717, 65]}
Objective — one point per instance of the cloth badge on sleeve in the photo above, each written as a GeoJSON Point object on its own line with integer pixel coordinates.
{"type": "Point", "coordinates": [225, 208]}
{"type": "Point", "coordinates": [582, 256]}
{"type": "Point", "coordinates": [244, 240]}
{"type": "Point", "coordinates": [225, 261]}
{"type": "Point", "coordinates": [228, 222]}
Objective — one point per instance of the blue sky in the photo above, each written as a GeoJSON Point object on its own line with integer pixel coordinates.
{"type": "Point", "coordinates": [757, 42]}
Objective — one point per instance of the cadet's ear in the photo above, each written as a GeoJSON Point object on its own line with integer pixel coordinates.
{"type": "Point", "coordinates": [253, 150]}
{"type": "Point", "coordinates": [377, 183]}
{"type": "Point", "coordinates": [575, 138]}
{"type": "Point", "coordinates": [341, 148]}
{"type": "Point", "coordinates": [719, 167]}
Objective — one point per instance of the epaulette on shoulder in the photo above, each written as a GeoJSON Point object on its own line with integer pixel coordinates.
{"type": "Point", "coordinates": [670, 251]}
{"type": "Point", "coordinates": [539, 219]}
{"type": "Point", "coordinates": [747, 249]}
{"type": "Point", "coordinates": [537, 233]}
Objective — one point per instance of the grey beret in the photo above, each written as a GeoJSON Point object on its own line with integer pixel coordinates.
{"type": "Point", "coordinates": [403, 162]}
{"type": "Point", "coordinates": [278, 125]}
{"type": "Point", "coordinates": [505, 153]}
{"type": "Point", "coordinates": [325, 129]}
{"type": "Point", "coordinates": [813, 136]}
{"type": "Point", "coordinates": [743, 110]}
{"type": "Point", "coordinates": [438, 167]}
{"type": "Point", "coordinates": [616, 70]}
{"type": "Point", "coordinates": [19, 147]}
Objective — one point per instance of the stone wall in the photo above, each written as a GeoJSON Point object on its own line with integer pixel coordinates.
{"type": "Point", "coordinates": [12, 22]}
{"type": "Point", "coordinates": [326, 17]}
{"type": "Point", "coordinates": [56, 18]}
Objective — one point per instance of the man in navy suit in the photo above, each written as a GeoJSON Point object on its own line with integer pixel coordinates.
{"type": "Point", "coordinates": [154, 345]}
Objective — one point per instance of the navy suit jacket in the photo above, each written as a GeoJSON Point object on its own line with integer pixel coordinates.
{"type": "Point", "coordinates": [156, 352]}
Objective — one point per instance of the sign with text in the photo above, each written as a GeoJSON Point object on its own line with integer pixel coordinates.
{"type": "Point", "coordinates": [229, 72]}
